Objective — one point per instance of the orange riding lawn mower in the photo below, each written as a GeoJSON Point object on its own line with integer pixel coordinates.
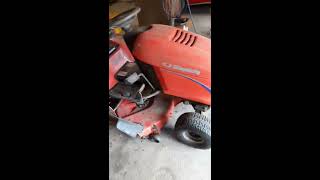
{"type": "Point", "coordinates": [152, 70]}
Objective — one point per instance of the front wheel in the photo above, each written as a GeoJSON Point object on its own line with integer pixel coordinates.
{"type": "Point", "coordinates": [194, 129]}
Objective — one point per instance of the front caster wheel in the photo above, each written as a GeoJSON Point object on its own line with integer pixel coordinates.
{"type": "Point", "coordinates": [194, 129]}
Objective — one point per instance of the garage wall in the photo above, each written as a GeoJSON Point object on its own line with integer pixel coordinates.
{"type": "Point", "coordinates": [152, 12]}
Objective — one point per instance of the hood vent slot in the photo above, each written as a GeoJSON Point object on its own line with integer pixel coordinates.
{"type": "Point", "coordinates": [194, 41]}
{"type": "Point", "coordinates": [184, 38]}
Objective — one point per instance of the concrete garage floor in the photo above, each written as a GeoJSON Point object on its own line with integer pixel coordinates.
{"type": "Point", "coordinates": [135, 159]}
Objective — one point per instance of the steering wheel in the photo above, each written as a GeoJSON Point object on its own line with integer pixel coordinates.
{"type": "Point", "coordinates": [124, 19]}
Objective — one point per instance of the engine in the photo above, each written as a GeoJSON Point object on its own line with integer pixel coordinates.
{"type": "Point", "coordinates": [180, 59]}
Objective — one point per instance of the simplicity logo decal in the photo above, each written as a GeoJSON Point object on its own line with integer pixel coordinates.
{"type": "Point", "coordinates": [179, 68]}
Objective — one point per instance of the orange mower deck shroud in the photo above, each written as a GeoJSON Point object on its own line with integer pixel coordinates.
{"type": "Point", "coordinates": [153, 118]}
{"type": "Point", "coordinates": [180, 59]}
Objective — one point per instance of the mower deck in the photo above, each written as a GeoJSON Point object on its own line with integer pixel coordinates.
{"type": "Point", "coordinates": [154, 117]}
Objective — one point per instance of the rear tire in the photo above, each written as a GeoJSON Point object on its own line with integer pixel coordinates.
{"type": "Point", "coordinates": [194, 129]}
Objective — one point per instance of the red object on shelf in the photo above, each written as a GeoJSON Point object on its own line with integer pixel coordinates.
{"type": "Point", "coordinates": [194, 2]}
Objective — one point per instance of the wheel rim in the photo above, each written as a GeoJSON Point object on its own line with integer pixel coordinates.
{"type": "Point", "coordinates": [192, 137]}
